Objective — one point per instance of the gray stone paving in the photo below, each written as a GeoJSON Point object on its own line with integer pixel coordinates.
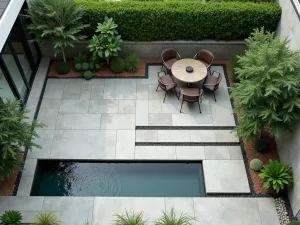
{"type": "Point", "coordinates": [101, 210]}
{"type": "Point", "coordinates": [96, 119]}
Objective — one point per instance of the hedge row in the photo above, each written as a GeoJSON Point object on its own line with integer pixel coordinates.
{"type": "Point", "coordinates": [153, 21]}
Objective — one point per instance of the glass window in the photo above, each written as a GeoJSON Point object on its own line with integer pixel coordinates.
{"type": "Point", "coordinates": [16, 42]}
{"type": "Point", "coordinates": [5, 91]}
{"type": "Point", "coordinates": [14, 71]}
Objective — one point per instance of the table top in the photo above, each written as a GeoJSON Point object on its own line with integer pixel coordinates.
{"type": "Point", "coordinates": [179, 70]}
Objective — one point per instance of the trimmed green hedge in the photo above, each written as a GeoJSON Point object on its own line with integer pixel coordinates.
{"type": "Point", "coordinates": [153, 21]}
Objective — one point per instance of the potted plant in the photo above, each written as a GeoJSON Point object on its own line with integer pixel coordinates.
{"type": "Point", "coordinates": [267, 99]}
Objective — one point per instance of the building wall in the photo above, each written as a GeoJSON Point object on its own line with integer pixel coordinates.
{"type": "Point", "coordinates": [289, 143]}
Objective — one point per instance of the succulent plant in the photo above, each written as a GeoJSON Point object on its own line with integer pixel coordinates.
{"type": "Point", "coordinates": [11, 217]}
{"type": "Point", "coordinates": [256, 164]}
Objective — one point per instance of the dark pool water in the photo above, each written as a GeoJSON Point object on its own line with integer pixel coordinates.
{"type": "Point", "coordinates": [146, 179]}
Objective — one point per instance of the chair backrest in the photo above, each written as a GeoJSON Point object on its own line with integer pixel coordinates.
{"type": "Point", "coordinates": [190, 98]}
{"type": "Point", "coordinates": [218, 82]}
{"type": "Point", "coordinates": [205, 56]}
{"type": "Point", "coordinates": [168, 54]}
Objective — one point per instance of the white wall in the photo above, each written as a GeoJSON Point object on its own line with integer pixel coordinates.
{"type": "Point", "coordinates": [8, 19]}
{"type": "Point", "coordinates": [289, 143]}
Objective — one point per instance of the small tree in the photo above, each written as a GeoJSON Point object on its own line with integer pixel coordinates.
{"type": "Point", "coordinates": [268, 95]}
{"type": "Point", "coordinates": [16, 133]}
{"type": "Point", "coordinates": [56, 21]}
{"type": "Point", "coordinates": [107, 43]}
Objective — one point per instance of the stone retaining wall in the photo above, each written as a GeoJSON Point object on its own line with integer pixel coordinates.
{"type": "Point", "coordinates": [150, 50]}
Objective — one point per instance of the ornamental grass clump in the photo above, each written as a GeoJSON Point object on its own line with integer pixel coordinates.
{"type": "Point", "coordinates": [268, 95]}
{"type": "Point", "coordinates": [170, 218]}
{"type": "Point", "coordinates": [130, 219]}
{"type": "Point", "coordinates": [277, 175]}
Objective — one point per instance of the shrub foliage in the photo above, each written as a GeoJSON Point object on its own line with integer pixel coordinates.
{"type": "Point", "coordinates": [186, 20]}
{"type": "Point", "coordinates": [16, 133]}
{"type": "Point", "coordinates": [56, 21]}
{"type": "Point", "coordinates": [268, 95]}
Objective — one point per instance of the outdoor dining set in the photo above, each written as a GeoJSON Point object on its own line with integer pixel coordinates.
{"type": "Point", "coordinates": [189, 71]}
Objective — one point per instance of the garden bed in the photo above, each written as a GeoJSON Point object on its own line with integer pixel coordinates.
{"type": "Point", "coordinates": [8, 185]}
{"type": "Point", "coordinates": [251, 153]}
{"type": "Point", "coordinates": [103, 72]}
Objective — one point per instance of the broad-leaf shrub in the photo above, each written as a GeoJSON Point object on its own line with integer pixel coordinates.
{"type": "Point", "coordinates": [182, 20]}
{"type": "Point", "coordinates": [106, 43]}
{"type": "Point", "coordinates": [277, 175]}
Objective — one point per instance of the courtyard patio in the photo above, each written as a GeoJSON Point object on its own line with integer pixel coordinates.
{"type": "Point", "coordinates": [126, 119]}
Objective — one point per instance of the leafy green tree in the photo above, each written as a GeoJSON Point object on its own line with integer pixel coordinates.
{"type": "Point", "coordinates": [107, 43]}
{"type": "Point", "coordinates": [268, 95]}
{"type": "Point", "coordinates": [16, 133]}
{"type": "Point", "coordinates": [57, 22]}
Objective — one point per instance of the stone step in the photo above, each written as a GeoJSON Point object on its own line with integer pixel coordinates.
{"type": "Point", "coordinates": [186, 136]}
{"type": "Point", "coordinates": [196, 153]}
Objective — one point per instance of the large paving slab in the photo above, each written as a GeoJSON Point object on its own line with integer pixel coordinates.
{"type": "Point", "coordinates": [84, 144]}
{"type": "Point", "coordinates": [106, 208]}
{"type": "Point", "coordinates": [102, 210]}
{"type": "Point", "coordinates": [75, 210]}
{"type": "Point", "coordinates": [225, 176]}
{"type": "Point", "coordinates": [186, 136]}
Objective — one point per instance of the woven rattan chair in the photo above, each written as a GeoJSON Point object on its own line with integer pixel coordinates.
{"type": "Point", "coordinates": [211, 83]}
{"type": "Point", "coordinates": [166, 83]}
{"type": "Point", "coordinates": [168, 58]}
{"type": "Point", "coordinates": [205, 57]}
{"type": "Point", "coordinates": [191, 95]}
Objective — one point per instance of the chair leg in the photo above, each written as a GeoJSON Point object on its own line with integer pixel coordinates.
{"type": "Point", "coordinates": [176, 93]}
{"type": "Point", "coordinates": [157, 87]}
{"type": "Point", "coordinates": [199, 107]}
{"type": "Point", "coordinates": [181, 105]}
{"type": "Point", "coordinates": [165, 97]}
{"type": "Point", "coordinates": [215, 97]}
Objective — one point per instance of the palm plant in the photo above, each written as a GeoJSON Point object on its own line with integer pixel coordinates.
{"type": "Point", "coordinates": [15, 133]}
{"type": "Point", "coordinates": [277, 175]}
{"type": "Point", "coordinates": [170, 218]}
{"type": "Point", "coordinates": [46, 218]}
{"type": "Point", "coordinates": [130, 219]}
{"type": "Point", "coordinates": [268, 95]}
{"type": "Point", "coordinates": [57, 22]}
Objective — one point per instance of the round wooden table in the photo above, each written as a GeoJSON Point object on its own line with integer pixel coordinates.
{"type": "Point", "coordinates": [179, 70]}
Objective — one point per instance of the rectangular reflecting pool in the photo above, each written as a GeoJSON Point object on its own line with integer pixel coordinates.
{"type": "Point", "coordinates": [124, 179]}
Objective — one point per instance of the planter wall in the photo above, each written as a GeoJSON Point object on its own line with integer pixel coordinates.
{"type": "Point", "coordinates": [152, 50]}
